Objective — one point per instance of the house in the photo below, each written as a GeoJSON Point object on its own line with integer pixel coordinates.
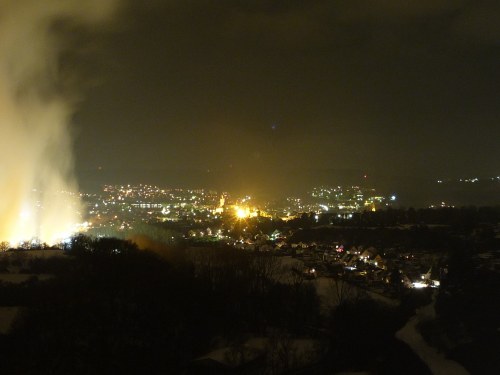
{"type": "Point", "coordinates": [379, 262]}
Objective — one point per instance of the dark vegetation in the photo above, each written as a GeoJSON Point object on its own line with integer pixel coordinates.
{"type": "Point", "coordinates": [441, 229]}
{"type": "Point", "coordinates": [362, 337]}
{"type": "Point", "coordinates": [458, 217]}
{"type": "Point", "coordinates": [467, 326]}
{"type": "Point", "coordinates": [112, 308]}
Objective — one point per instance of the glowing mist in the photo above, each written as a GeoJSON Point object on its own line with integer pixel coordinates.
{"type": "Point", "coordinates": [37, 188]}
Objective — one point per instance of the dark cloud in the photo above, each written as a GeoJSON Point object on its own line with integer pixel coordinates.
{"type": "Point", "coordinates": [395, 11]}
{"type": "Point", "coordinates": [359, 84]}
{"type": "Point", "coordinates": [479, 23]}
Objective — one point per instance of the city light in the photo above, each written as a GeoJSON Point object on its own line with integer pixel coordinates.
{"type": "Point", "coordinates": [242, 213]}
{"type": "Point", "coordinates": [419, 285]}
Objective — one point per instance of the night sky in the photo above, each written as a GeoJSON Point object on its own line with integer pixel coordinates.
{"type": "Point", "coordinates": [267, 93]}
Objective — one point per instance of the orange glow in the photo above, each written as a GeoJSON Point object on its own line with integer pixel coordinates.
{"type": "Point", "coordinates": [244, 212]}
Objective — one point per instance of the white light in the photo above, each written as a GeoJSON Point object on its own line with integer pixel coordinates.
{"type": "Point", "coordinates": [25, 214]}
{"type": "Point", "coordinates": [419, 285]}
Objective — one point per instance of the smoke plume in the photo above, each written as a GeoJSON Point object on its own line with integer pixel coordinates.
{"type": "Point", "coordinates": [37, 188]}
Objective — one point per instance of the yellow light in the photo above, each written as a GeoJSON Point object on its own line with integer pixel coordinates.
{"type": "Point", "coordinates": [241, 213]}
{"type": "Point", "coordinates": [25, 214]}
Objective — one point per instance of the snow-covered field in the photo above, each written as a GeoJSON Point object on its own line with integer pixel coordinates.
{"type": "Point", "coordinates": [7, 316]}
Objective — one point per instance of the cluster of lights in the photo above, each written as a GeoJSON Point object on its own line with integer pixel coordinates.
{"type": "Point", "coordinates": [468, 180]}
{"type": "Point", "coordinates": [244, 212]}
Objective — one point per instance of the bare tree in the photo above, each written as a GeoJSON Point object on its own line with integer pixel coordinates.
{"type": "Point", "coordinates": [281, 353]}
{"type": "Point", "coordinates": [4, 246]}
{"type": "Point", "coordinates": [342, 290]}
{"type": "Point", "coordinates": [267, 269]}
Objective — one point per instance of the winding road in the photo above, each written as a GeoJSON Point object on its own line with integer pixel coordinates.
{"type": "Point", "coordinates": [438, 364]}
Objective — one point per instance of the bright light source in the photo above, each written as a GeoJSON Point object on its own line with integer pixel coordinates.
{"type": "Point", "coordinates": [25, 214]}
{"type": "Point", "coordinates": [419, 285]}
{"type": "Point", "coordinates": [241, 213]}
